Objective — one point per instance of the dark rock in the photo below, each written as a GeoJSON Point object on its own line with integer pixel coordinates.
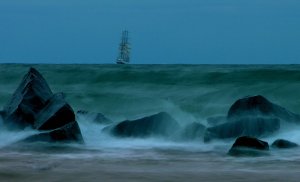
{"type": "Point", "coordinates": [94, 117]}
{"type": "Point", "coordinates": [67, 133]}
{"type": "Point", "coordinates": [216, 120]}
{"type": "Point", "coordinates": [55, 114]}
{"type": "Point", "coordinates": [248, 146]}
{"type": "Point", "coordinates": [161, 124]}
{"type": "Point", "coordinates": [34, 105]}
{"type": "Point", "coordinates": [280, 143]}
{"type": "Point", "coordinates": [252, 116]}
{"type": "Point", "coordinates": [1, 115]}
{"type": "Point", "coordinates": [29, 98]}
{"type": "Point", "coordinates": [193, 131]}
{"type": "Point", "coordinates": [250, 142]}
{"type": "Point", "coordinates": [254, 127]}
{"type": "Point", "coordinates": [261, 107]}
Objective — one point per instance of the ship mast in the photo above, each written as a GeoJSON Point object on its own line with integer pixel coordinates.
{"type": "Point", "coordinates": [123, 57]}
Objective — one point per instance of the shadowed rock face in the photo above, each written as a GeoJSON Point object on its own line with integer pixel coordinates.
{"type": "Point", "coordinates": [161, 124]}
{"type": "Point", "coordinates": [56, 113]}
{"type": "Point", "coordinates": [283, 144]}
{"type": "Point", "coordinates": [252, 116]}
{"type": "Point", "coordinates": [66, 133]}
{"type": "Point", "coordinates": [29, 98]}
{"type": "Point", "coordinates": [1, 115]}
{"type": "Point", "coordinates": [34, 105]}
{"type": "Point", "coordinates": [261, 107]}
{"type": "Point", "coordinates": [248, 146]}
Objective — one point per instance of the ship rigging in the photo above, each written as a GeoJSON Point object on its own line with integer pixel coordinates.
{"type": "Point", "coordinates": [124, 49]}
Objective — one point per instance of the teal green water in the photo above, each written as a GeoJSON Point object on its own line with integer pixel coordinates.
{"type": "Point", "coordinates": [193, 92]}
{"type": "Point", "coordinates": [188, 92]}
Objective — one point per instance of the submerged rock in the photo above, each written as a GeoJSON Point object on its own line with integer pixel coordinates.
{"type": "Point", "coordinates": [283, 144]}
{"type": "Point", "coordinates": [93, 117]}
{"type": "Point", "coordinates": [193, 131]}
{"type": "Point", "coordinates": [161, 124]}
{"type": "Point", "coordinates": [34, 105]}
{"type": "Point", "coordinates": [248, 146]}
{"type": "Point", "coordinates": [254, 127]}
{"type": "Point", "coordinates": [259, 106]}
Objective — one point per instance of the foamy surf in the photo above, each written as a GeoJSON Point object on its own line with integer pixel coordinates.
{"type": "Point", "coordinates": [188, 93]}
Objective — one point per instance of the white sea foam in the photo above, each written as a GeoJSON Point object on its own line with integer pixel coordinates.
{"type": "Point", "coordinates": [9, 137]}
{"type": "Point", "coordinates": [187, 93]}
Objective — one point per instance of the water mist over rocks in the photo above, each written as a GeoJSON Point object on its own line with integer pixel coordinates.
{"type": "Point", "coordinates": [93, 117]}
{"type": "Point", "coordinates": [252, 116]}
{"type": "Point", "coordinates": [161, 124]}
{"type": "Point", "coordinates": [33, 105]}
{"type": "Point", "coordinates": [150, 121]}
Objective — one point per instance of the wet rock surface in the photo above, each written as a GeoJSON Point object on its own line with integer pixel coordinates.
{"type": "Point", "coordinates": [252, 116]}
{"type": "Point", "coordinates": [161, 124]}
{"type": "Point", "coordinates": [248, 146]}
{"type": "Point", "coordinates": [283, 144]}
{"type": "Point", "coordinates": [259, 106]}
{"type": "Point", "coordinates": [28, 99]}
{"type": "Point", "coordinates": [33, 105]}
{"type": "Point", "coordinates": [67, 133]}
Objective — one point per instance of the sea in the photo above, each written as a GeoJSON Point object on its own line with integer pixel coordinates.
{"type": "Point", "coordinates": [189, 93]}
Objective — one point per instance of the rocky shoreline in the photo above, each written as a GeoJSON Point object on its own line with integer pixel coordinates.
{"type": "Point", "coordinates": [34, 106]}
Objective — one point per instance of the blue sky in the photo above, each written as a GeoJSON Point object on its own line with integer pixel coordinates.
{"type": "Point", "coordinates": [161, 31]}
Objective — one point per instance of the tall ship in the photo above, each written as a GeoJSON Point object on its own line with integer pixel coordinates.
{"type": "Point", "coordinates": [124, 48]}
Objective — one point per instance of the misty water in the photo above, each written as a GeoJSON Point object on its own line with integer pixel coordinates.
{"type": "Point", "coordinates": [189, 93]}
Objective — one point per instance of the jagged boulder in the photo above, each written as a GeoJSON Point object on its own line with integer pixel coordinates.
{"type": "Point", "coordinates": [93, 117]}
{"type": "Point", "coordinates": [248, 146]}
{"type": "Point", "coordinates": [259, 106]}
{"type": "Point", "coordinates": [56, 113]}
{"type": "Point", "coordinates": [283, 144]}
{"type": "Point", "coordinates": [161, 124]}
{"type": "Point", "coordinates": [193, 131]}
{"type": "Point", "coordinates": [254, 127]}
{"type": "Point", "coordinates": [34, 105]}
{"type": "Point", "coordinates": [29, 98]}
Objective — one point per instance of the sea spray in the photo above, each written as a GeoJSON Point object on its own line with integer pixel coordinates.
{"type": "Point", "coordinates": [8, 137]}
{"type": "Point", "coordinates": [150, 148]}
{"type": "Point", "coordinates": [189, 93]}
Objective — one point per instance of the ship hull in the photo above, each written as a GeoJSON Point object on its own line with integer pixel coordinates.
{"type": "Point", "coordinates": [121, 62]}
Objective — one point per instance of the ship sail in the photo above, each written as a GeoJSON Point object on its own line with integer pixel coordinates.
{"type": "Point", "coordinates": [124, 54]}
